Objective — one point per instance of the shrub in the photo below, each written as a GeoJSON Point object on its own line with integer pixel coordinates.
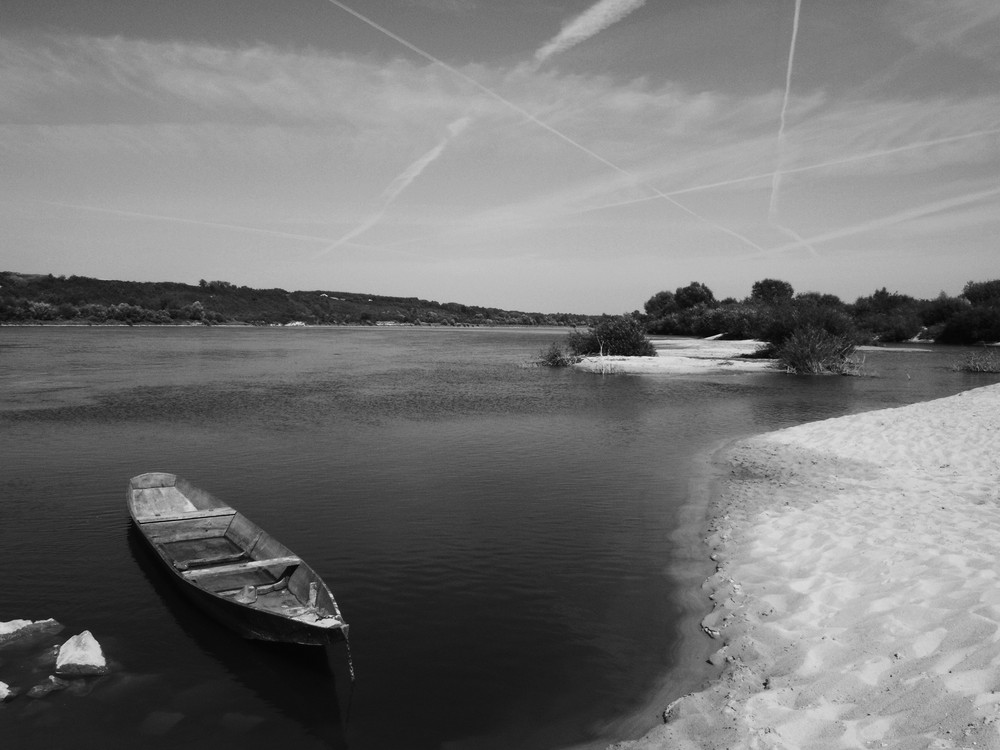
{"type": "Point", "coordinates": [779, 323]}
{"type": "Point", "coordinates": [811, 350]}
{"type": "Point", "coordinates": [622, 336]}
{"type": "Point", "coordinates": [987, 360]}
{"type": "Point", "coordinates": [891, 327]}
{"type": "Point", "coordinates": [554, 356]}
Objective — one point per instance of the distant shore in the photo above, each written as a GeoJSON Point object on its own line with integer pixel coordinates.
{"type": "Point", "coordinates": [856, 597]}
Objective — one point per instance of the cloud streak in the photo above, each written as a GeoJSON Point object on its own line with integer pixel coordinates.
{"type": "Point", "coordinates": [403, 181]}
{"type": "Point", "coordinates": [589, 23]}
{"type": "Point", "coordinates": [899, 217]}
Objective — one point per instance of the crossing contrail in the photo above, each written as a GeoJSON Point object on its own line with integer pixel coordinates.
{"type": "Point", "coordinates": [592, 21]}
{"type": "Point", "coordinates": [545, 126]}
{"type": "Point", "coordinates": [772, 209]}
{"type": "Point", "coordinates": [776, 183]}
{"type": "Point", "coordinates": [727, 183]}
{"type": "Point", "coordinates": [403, 180]}
{"type": "Point", "coordinates": [806, 168]}
{"type": "Point", "coordinates": [892, 219]}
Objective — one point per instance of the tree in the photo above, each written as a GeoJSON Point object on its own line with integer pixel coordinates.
{"type": "Point", "coordinates": [771, 291]}
{"type": "Point", "coordinates": [660, 304]}
{"type": "Point", "coordinates": [693, 294]}
{"type": "Point", "coordinates": [973, 326]}
{"type": "Point", "coordinates": [982, 293]}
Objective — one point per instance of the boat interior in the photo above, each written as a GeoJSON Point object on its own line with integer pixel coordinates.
{"type": "Point", "coordinates": [223, 552]}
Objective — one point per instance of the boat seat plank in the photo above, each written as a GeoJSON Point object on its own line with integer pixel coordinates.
{"type": "Point", "coordinates": [151, 502]}
{"type": "Point", "coordinates": [187, 515]}
{"type": "Point", "coordinates": [190, 535]}
{"type": "Point", "coordinates": [215, 561]}
{"type": "Point", "coordinates": [248, 565]}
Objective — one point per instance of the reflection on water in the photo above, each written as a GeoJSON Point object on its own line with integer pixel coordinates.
{"type": "Point", "coordinates": [497, 535]}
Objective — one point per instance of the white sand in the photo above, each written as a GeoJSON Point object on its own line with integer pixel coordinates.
{"type": "Point", "coordinates": [857, 596]}
{"type": "Point", "coordinates": [685, 356]}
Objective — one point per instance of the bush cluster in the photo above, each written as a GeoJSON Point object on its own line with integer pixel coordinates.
{"type": "Point", "coordinates": [811, 350]}
{"type": "Point", "coordinates": [623, 336]}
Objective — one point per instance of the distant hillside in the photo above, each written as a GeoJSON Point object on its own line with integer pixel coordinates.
{"type": "Point", "coordinates": [36, 298]}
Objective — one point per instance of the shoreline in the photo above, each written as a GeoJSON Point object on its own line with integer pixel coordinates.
{"type": "Point", "coordinates": [855, 589]}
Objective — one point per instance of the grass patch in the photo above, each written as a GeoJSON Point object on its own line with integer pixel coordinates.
{"type": "Point", "coordinates": [811, 350]}
{"type": "Point", "coordinates": [987, 360]}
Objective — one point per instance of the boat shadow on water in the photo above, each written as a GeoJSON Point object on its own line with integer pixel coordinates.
{"type": "Point", "coordinates": [298, 682]}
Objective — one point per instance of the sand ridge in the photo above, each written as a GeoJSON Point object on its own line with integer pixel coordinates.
{"type": "Point", "coordinates": [856, 593]}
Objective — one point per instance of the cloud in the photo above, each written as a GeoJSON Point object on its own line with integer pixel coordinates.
{"type": "Point", "coordinates": [592, 21]}
{"type": "Point", "coordinates": [445, 6]}
{"type": "Point", "coordinates": [967, 27]}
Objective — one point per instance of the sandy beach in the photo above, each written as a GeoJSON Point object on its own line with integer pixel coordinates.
{"type": "Point", "coordinates": [856, 596]}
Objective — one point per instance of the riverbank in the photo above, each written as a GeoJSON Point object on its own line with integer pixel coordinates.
{"type": "Point", "coordinates": [856, 596]}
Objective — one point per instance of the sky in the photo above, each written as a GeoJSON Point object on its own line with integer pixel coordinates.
{"type": "Point", "coordinates": [536, 155]}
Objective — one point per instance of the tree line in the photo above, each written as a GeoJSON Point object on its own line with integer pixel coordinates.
{"type": "Point", "coordinates": [44, 298]}
{"type": "Point", "coordinates": [773, 307]}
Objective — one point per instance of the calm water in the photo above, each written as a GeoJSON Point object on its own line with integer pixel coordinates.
{"type": "Point", "coordinates": [498, 536]}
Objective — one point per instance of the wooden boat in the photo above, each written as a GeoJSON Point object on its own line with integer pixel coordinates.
{"type": "Point", "coordinates": [231, 567]}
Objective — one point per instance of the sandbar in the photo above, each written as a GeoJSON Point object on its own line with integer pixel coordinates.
{"type": "Point", "coordinates": [685, 356]}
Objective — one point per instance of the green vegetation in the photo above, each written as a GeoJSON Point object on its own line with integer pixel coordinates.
{"type": "Point", "coordinates": [37, 298]}
{"type": "Point", "coordinates": [987, 360]}
{"type": "Point", "coordinates": [622, 336]}
{"type": "Point", "coordinates": [773, 309]}
{"type": "Point", "coordinates": [555, 356]}
{"type": "Point", "coordinates": [811, 350]}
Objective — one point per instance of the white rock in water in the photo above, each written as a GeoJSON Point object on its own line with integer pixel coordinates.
{"type": "Point", "coordinates": [81, 655]}
{"type": "Point", "coordinates": [13, 629]}
{"type": "Point", "coordinates": [5, 691]}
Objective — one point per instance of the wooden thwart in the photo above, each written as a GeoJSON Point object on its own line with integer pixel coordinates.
{"type": "Point", "coordinates": [189, 515]}
{"type": "Point", "coordinates": [248, 565]}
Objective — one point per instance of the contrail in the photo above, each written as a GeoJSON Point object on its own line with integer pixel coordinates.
{"type": "Point", "coordinates": [776, 183]}
{"type": "Point", "coordinates": [193, 222]}
{"type": "Point", "coordinates": [750, 178]}
{"type": "Point", "coordinates": [892, 219]}
{"type": "Point", "coordinates": [592, 21]}
{"type": "Point", "coordinates": [402, 181]}
{"type": "Point", "coordinates": [772, 209]}
{"type": "Point", "coordinates": [794, 170]}
{"type": "Point", "coordinates": [530, 117]}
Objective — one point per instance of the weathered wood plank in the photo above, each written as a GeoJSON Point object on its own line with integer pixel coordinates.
{"type": "Point", "coordinates": [190, 535]}
{"type": "Point", "coordinates": [189, 515]}
{"type": "Point", "coordinates": [156, 502]}
{"type": "Point", "coordinates": [248, 565]}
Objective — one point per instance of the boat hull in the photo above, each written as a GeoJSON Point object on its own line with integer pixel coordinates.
{"type": "Point", "coordinates": [181, 524]}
